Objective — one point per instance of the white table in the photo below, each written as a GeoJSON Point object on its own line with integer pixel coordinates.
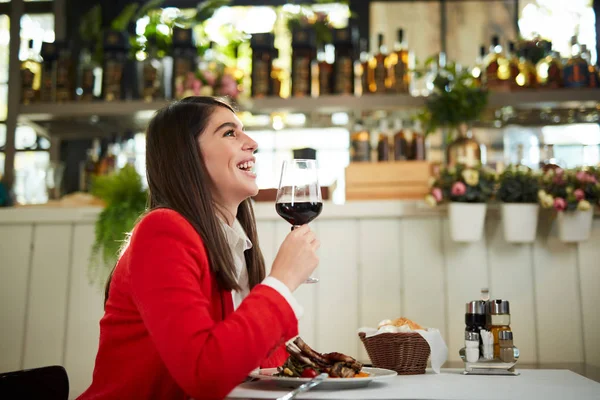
{"type": "Point", "coordinates": [449, 385]}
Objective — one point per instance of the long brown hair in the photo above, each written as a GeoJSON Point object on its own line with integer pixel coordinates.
{"type": "Point", "coordinates": [178, 180]}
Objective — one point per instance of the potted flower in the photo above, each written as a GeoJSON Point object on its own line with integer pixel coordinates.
{"type": "Point", "coordinates": [467, 189]}
{"type": "Point", "coordinates": [572, 194]}
{"type": "Point", "coordinates": [518, 192]}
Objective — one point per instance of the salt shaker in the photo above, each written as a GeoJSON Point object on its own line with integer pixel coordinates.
{"type": "Point", "coordinates": [506, 346]}
{"type": "Point", "coordinates": [472, 346]}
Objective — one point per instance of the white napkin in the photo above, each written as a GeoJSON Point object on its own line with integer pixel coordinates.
{"type": "Point", "coordinates": [433, 337]}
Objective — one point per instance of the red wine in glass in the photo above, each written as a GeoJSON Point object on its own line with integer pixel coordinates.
{"type": "Point", "coordinates": [299, 194]}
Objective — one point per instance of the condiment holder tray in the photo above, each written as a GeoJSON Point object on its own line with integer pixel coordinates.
{"type": "Point", "coordinates": [490, 367]}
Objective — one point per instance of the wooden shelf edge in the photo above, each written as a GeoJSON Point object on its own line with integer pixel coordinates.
{"type": "Point", "coordinates": [566, 98]}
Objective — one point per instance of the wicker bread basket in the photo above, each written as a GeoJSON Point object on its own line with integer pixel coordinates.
{"type": "Point", "coordinates": [405, 353]}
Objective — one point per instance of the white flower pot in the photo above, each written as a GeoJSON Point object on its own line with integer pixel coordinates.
{"type": "Point", "coordinates": [520, 222]}
{"type": "Point", "coordinates": [466, 221]}
{"type": "Point", "coordinates": [575, 226]}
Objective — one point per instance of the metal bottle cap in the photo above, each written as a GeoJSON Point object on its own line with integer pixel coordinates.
{"type": "Point", "coordinates": [498, 307]}
{"type": "Point", "coordinates": [472, 336]}
{"type": "Point", "coordinates": [475, 307]}
{"type": "Point", "coordinates": [505, 335]}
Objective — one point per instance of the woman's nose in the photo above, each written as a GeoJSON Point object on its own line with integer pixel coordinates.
{"type": "Point", "coordinates": [250, 144]}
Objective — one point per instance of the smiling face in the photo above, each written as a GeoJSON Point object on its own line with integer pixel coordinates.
{"type": "Point", "coordinates": [228, 155]}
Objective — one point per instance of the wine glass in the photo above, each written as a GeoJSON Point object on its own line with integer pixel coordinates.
{"type": "Point", "coordinates": [299, 194]}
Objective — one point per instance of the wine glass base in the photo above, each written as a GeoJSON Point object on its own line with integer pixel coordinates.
{"type": "Point", "coordinates": [312, 280]}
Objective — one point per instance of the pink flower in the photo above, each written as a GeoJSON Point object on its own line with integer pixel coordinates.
{"type": "Point", "coordinates": [581, 176]}
{"type": "Point", "coordinates": [196, 86]}
{"type": "Point", "coordinates": [229, 87]}
{"type": "Point", "coordinates": [560, 204]}
{"type": "Point", "coordinates": [591, 178]}
{"type": "Point", "coordinates": [458, 189]}
{"type": "Point", "coordinates": [558, 180]}
{"type": "Point", "coordinates": [209, 77]}
{"type": "Point", "coordinates": [579, 194]}
{"type": "Point", "coordinates": [559, 171]}
{"type": "Point", "coordinates": [437, 194]}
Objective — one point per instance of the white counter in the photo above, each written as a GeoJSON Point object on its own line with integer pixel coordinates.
{"type": "Point", "coordinates": [378, 260]}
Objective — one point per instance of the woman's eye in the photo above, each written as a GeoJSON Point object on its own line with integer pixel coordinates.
{"type": "Point", "coordinates": [230, 133]}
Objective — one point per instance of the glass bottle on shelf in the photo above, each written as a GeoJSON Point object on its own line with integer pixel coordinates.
{"type": "Point", "coordinates": [593, 70]}
{"type": "Point", "coordinates": [152, 72]}
{"type": "Point", "coordinates": [185, 61]}
{"type": "Point", "coordinates": [478, 71]}
{"type": "Point", "coordinates": [549, 69]}
{"type": "Point", "coordinates": [527, 77]}
{"type": "Point", "coordinates": [263, 56]}
{"type": "Point", "coordinates": [464, 149]}
{"type": "Point", "coordinates": [31, 75]}
{"type": "Point", "coordinates": [114, 84]}
{"type": "Point", "coordinates": [401, 143]}
{"type": "Point", "coordinates": [324, 74]}
{"type": "Point", "coordinates": [344, 41]}
{"type": "Point", "coordinates": [399, 65]}
{"type": "Point", "coordinates": [497, 70]}
{"type": "Point", "coordinates": [303, 60]}
{"type": "Point", "coordinates": [377, 68]}
{"type": "Point", "coordinates": [89, 76]}
{"type": "Point", "coordinates": [383, 143]}
{"type": "Point", "coordinates": [576, 71]}
{"type": "Point", "coordinates": [360, 144]}
{"type": "Point", "coordinates": [65, 74]}
{"type": "Point", "coordinates": [49, 55]}
{"type": "Point", "coordinates": [418, 145]}
{"type": "Point", "coordinates": [361, 70]}
{"type": "Point", "coordinates": [513, 65]}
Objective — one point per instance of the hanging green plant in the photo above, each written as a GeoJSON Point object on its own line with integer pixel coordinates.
{"type": "Point", "coordinates": [125, 199]}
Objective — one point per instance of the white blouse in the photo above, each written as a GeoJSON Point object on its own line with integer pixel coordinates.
{"type": "Point", "coordinates": [238, 243]}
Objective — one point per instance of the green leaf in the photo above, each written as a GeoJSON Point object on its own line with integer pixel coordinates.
{"type": "Point", "coordinates": [90, 25]}
{"type": "Point", "coordinates": [121, 22]}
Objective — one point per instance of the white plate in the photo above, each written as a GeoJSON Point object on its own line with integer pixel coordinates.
{"type": "Point", "coordinates": [375, 374]}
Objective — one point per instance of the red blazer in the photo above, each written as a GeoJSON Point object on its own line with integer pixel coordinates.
{"type": "Point", "coordinates": [169, 332]}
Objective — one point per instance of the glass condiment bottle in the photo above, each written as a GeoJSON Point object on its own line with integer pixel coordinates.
{"type": "Point", "coordinates": [507, 352]}
{"type": "Point", "coordinates": [498, 321]}
{"type": "Point", "coordinates": [475, 317]}
{"type": "Point", "coordinates": [472, 346]}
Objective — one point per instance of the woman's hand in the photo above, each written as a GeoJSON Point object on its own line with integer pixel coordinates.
{"type": "Point", "coordinates": [297, 257]}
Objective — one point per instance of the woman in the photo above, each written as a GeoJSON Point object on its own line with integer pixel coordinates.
{"type": "Point", "coordinates": [175, 325]}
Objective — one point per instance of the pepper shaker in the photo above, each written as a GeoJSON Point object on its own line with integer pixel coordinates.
{"type": "Point", "coordinates": [472, 346]}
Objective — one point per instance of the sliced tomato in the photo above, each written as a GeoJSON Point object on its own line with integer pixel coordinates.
{"type": "Point", "coordinates": [309, 373]}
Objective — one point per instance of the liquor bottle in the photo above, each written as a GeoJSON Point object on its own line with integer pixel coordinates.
{"type": "Point", "coordinates": [185, 60]}
{"type": "Point", "coordinates": [89, 76]}
{"type": "Point", "coordinates": [497, 70]}
{"type": "Point", "coordinates": [360, 144]}
{"type": "Point", "coordinates": [418, 146]}
{"type": "Point", "coordinates": [401, 144]}
{"type": "Point", "coordinates": [31, 76]}
{"type": "Point", "coordinates": [383, 142]}
{"type": "Point", "coordinates": [527, 77]}
{"type": "Point", "coordinates": [549, 69]}
{"type": "Point", "coordinates": [345, 41]}
{"type": "Point", "coordinates": [377, 76]}
{"type": "Point", "coordinates": [116, 45]}
{"type": "Point", "coordinates": [49, 55]}
{"type": "Point", "coordinates": [576, 71]}
{"type": "Point", "coordinates": [478, 71]}
{"type": "Point", "coordinates": [399, 65]}
{"type": "Point", "coordinates": [303, 62]}
{"type": "Point", "coordinates": [513, 65]}
{"type": "Point", "coordinates": [152, 72]}
{"type": "Point", "coordinates": [65, 74]}
{"type": "Point", "coordinates": [361, 70]}
{"type": "Point", "coordinates": [593, 70]}
{"type": "Point", "coordinates": [263, 55]}
{"type": "Point", "coordinates": [324, 73]}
